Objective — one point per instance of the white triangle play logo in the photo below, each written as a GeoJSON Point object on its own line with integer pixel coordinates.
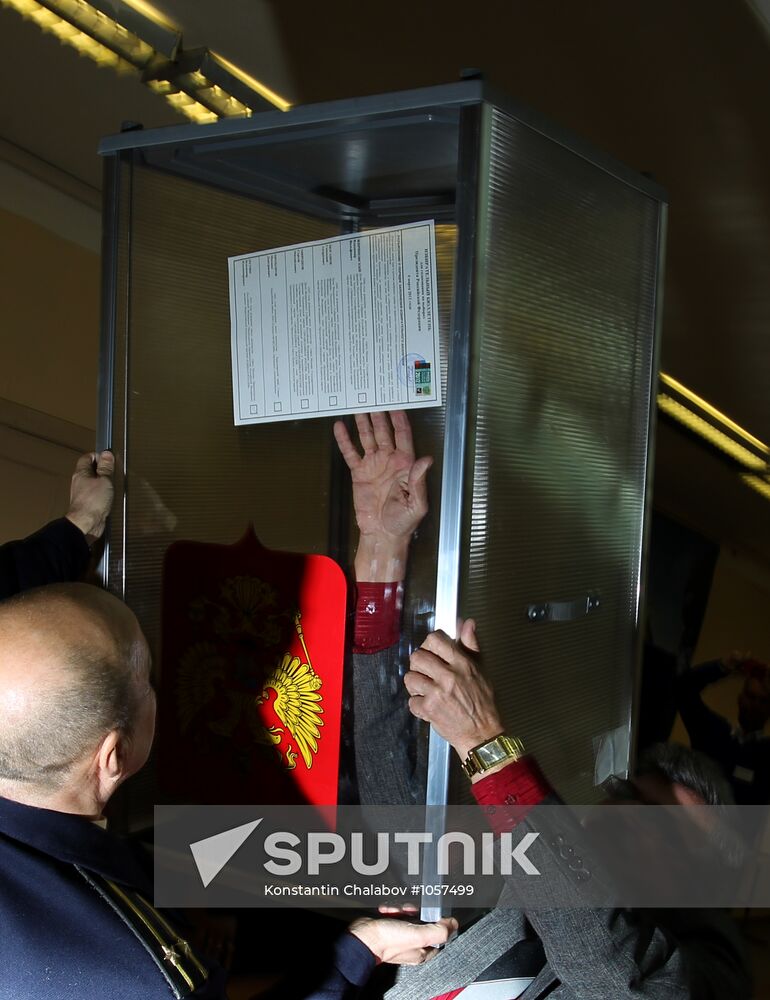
{"type": "Point", "coordinates": [212, 854]}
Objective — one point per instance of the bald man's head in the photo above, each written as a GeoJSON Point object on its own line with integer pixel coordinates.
{"type": "Point", "coordinates": [73, 668]}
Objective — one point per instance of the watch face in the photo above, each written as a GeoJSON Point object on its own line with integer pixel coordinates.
{"type": "Point", "coordinates": [491, 754]}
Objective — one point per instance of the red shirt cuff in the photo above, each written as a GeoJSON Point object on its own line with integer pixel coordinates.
{"type": "Point", "coordinates": [517, 788]}
{"type": "Point", "coordinates": [377, 622]}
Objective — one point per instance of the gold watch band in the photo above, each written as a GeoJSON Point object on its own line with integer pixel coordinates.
{"type": "Point", "coordinates": [501, 749]}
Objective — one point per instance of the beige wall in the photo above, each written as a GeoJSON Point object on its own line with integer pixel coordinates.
{"type": "Point", "coordinates": [49, 304]}
{"type": "Point", "coordinates": [49, 323]}
{"type": "Point", "coordinates": [37, 455]}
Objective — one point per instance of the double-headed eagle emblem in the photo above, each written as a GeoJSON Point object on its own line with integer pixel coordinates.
{"type": "Point", "coordinates": [296, 703]}
{"type": "Point", "coordinates": [227, 688]}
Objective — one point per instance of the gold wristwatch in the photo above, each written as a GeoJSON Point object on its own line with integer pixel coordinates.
{"type": "Point", "coordinates": [501, 749]}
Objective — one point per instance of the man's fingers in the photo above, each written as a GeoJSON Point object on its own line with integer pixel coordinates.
{"type": "Point", "coordinates": [418, 684]}
{"type": "Point", "coordinates": [105, 464]}
{"type": "Point", "coordinates": [440, 644]}
{"type": "Point", "coordinates": [347, 448]}
{"type": "Point", "coordinates": [417, 485]}
{"type": "Point", "coordinates": [439, 656]}
{"type": "Point", "coordinates": [467, 635]}
{"type": "Point", "coordinates": [423, 661]}
{"type": "Point", "coordinates": [85, 463]}
{"type": "Point", "coordinates": [420, 941]}
{"type": "Point", "coordinates": [399, 942]}
{"type": "Point", "coordinates": [417, 707]}
{"type": "Point", "coordinates": [417, 956]}
{"type": "Point", "coordinates": [382, 432]}
{"type": "Point", "coordinates": [403, 432]}
{"type": "Point", "coordinates": [93, 464]}
{"type": "Point", "coordinates": [365, 433]}
{"type": "Point", "coordinates": [433, 935]}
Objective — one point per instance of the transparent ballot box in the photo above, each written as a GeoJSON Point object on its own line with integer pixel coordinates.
{"type": "Point", "coordinates": [548, 262]}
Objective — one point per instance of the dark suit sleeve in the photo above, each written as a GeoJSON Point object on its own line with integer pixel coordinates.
{"type": "Point", "coordinates": [351, 966]}
{"type": "Point", "coordinates": [58, 553]}
{"type": "Point", "coordinates": [704, 726]}
{"type": "Point", "coordinates": [627, 954]}
{"type": "Point", "coordinates": [382, 730]}
{"type": "Point", "coordinates": [623, 954]}
{"type": "Point", "coordinates": [354, 963]}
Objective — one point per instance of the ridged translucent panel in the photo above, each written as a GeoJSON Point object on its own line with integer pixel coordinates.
{"type": "Point", "coordinates": [560, 396]}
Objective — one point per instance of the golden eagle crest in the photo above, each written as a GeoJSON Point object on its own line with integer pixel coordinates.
{"type": "Point", "coordinates": [296, 703]}
{"type": "Point", "coordinates": [222, 690]}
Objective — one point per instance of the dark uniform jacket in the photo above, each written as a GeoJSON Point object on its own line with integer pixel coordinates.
{"type": "Point", "coordinates": [76, 922]}
{"type": "Point", "coordinates": [58, 553]}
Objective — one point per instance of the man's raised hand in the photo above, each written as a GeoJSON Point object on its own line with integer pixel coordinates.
{"type": "Point", "coordinates": [91, 493]}
{"type": "Point", "coordinates": [390, 493]}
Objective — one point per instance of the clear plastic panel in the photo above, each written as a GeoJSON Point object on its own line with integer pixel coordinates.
{"type": "Point", "coordinates": [191, 474]}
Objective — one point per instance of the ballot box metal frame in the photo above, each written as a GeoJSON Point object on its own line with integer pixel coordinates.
{"type": "Point", "coordinates": [466, 112]}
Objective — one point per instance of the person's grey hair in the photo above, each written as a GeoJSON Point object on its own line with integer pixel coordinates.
{"type": "Point", "coordinates": [700, 774]}
{"type": "Point", "coordinates": [694, 770]}
{"type": "Point", "coordinates": [97, 695]}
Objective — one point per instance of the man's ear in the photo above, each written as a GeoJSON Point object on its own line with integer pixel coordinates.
{"type": "Point", "coordinates": [111, 762]}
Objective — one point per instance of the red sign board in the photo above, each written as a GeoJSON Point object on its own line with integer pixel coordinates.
{"type": "Point", "coordinates": [251, 676]}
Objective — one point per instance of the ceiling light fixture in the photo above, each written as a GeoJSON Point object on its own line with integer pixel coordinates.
{"type": "Point", "coordinates": [713, 412]}
{"type": "Point", "coordinates": [762, 486]}
{"type": "Point", "coordinates": [699, 417]}
{"type": "Point", "coordinates": [123, 37]}
{"type": "Point", "coordinates": [693, 422]}
{"type": "Point", "coordinates": [215, 85]}
{"type": "Point", "coordinates": [131, 36]}
{"type": "Point", "coordinates": [252, 84]}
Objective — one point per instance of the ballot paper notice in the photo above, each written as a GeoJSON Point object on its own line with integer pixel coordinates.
{"type": "Point", "coordinates": [336, 326]}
